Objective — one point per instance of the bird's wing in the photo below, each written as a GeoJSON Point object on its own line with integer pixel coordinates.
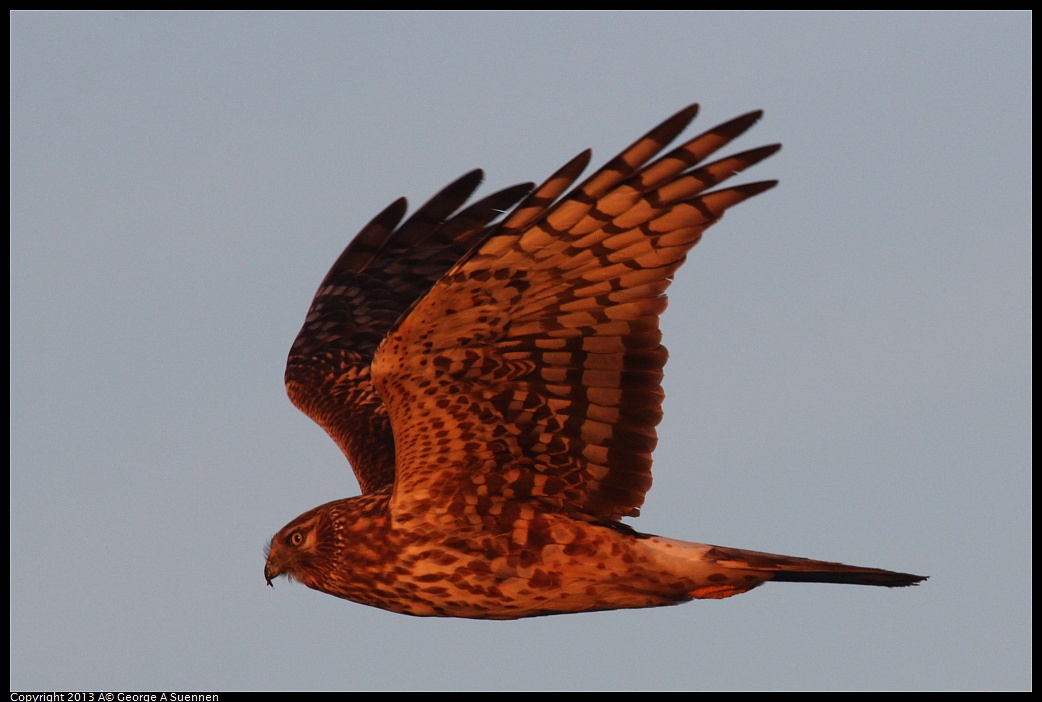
{"type": "Point", "coordinates": [384, 270]}
{"type": "Point", "coordinates": [531, 373]}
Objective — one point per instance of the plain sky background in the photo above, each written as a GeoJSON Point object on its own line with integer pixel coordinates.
{"type": "Point", "coordinates": [850, 373]}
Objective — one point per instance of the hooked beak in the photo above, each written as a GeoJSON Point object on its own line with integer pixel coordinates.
{"type": "Point", "coordinates": [270, 573]}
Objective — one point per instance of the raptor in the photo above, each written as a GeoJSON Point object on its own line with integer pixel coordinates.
{"type": "Point", "coordinates": [493, 374]}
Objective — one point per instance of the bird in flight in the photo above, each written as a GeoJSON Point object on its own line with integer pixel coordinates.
{"type": "Point", "coordinates": [493, 373]}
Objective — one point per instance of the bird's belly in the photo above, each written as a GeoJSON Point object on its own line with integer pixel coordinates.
{"type": "Point", "coordinates": [555, 567]}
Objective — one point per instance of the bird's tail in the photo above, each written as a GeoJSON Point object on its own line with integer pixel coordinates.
{"type": "Point", "coordinates": [722, 572]}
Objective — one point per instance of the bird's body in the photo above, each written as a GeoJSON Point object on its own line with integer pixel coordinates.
{"type": "Point", "coordinates": [536, 564]}
{"type": "Point", "coordinates": [496, 389]}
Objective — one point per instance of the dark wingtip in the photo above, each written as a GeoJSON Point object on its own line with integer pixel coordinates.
{"type": "Point", "coordinates": [751, 189]}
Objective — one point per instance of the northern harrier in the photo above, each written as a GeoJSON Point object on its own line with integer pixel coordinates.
{"type": "Point", "coordinates": [496, 388]}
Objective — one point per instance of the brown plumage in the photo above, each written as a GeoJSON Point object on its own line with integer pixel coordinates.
{"type": "Point", "coordinates": [496, 388]}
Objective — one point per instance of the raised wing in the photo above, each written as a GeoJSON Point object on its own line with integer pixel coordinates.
{"type": "Point", "coordinates": [383, 271]}
{"type": "Point", "coordinates": [532, 370]}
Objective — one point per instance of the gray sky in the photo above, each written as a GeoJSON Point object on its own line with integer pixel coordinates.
{"type": "Point", "coordinates": [850, 372]}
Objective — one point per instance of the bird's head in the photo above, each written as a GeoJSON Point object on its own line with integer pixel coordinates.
{"type": "Point", "coordinates": [304, 549]}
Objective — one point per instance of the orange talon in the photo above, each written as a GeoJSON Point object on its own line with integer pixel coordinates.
{"type": "Point", "coordinates": [719, 592]}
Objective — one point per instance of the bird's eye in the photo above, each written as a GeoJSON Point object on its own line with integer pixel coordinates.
{"type": "Point", "coordinates": [296, 538]}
